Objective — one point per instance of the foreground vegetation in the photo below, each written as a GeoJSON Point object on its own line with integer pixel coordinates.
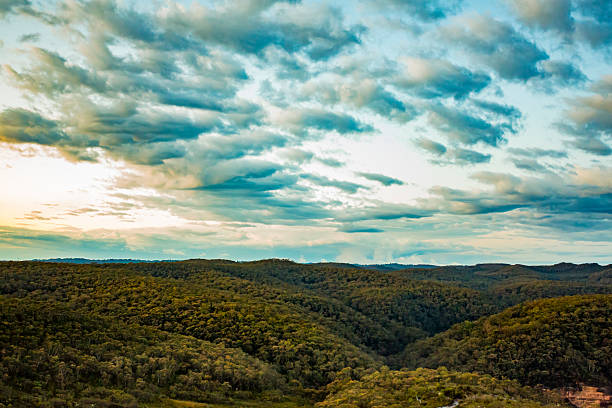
{"type": "Point", "coordinates": [432, 389]}
{"type": "Point", "coordinates": [280, 334]}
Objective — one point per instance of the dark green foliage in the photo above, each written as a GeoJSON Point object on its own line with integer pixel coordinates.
{"type": "Point", "coordinates": [507, 285]}
{"type": "Point", "coordinates": [207, 306]}
{"type": "Point", "coordinates": [50, 352]}
{"type": "Point", "coordinates": [554, 342]}
{"type": "Point", "coordinates": [146, 333]}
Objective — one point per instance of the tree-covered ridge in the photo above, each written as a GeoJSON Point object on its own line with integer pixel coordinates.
{"type": "Point", "coordinates": [277, 328]}
{"type": "Point", "coordinates": [207, 307]}
{"type": "Point", "coordinates": [51, 355]}
{"type": "Point", "coordinates": [485, 276]}
{"type": "Point", "coordinates": [371, 309]}
{"type": "Point", "coordinates": [425, 388]}
{"type": "Point", "coordinates": [555, 342]}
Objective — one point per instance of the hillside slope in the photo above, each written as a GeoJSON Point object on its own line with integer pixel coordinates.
{"type": "Point", "coordinates": [555, 342]}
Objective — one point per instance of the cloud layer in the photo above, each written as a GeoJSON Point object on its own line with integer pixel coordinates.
{"type": "Point", "coordinates": [347, 127]}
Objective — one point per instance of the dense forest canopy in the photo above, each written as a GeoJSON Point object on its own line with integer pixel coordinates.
{"type": "Point", "coordinates": [293, 335]}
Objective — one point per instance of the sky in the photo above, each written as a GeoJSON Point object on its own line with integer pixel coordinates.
{"type": "Point", "coordinates": [374, 131]}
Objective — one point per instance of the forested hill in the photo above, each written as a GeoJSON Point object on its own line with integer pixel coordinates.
{"type": "Point", "coordinates": [553, 342]}
{"type": "Point", "coordinates": [273, 331]}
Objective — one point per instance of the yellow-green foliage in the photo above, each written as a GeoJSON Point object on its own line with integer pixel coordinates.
{"type": "Point", "coordinates": [426, 388]}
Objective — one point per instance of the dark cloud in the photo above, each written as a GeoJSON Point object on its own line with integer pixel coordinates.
{"type": "Point", "coordinates": [382, 179]}
{"type": "Point", "coordinates": [462, 127]}
{"type": "Point", "coordinates": [121, 129]}
{"type": "Point", "coordinates": [384, 212]}
{"type": "Point", "coordinates": [535, 153]}
{"type": "Point", "coordinates": [359, 93]}
{"type": "Point", "coordinates": [350, 229]}
{"type": "Point", "coordinates": [316, 31]}
{"type": "Point", "coordinates": [24, 242]}
{"type": "Point", "coordinates": [454, 156]}
{"type": "Point", "coordinates": [466, 156]}
{"type": "Point", "coordinates": [551, 194]}
{"type": "Point", "coordinates": [433, 78]}
{"type": "Point", "coordinates": [590, 144]}
{"type": "Point", "coordinates": [52, 75]}
{"type": "Point", "coordinates": [23, 126]}
{"type": "Point", "coordinates": [323, 181]}
{"type": "Point", "coordinates": [424, 10]}
{"type": "Point", "coordinates": [125, 123]}
{"type": "Point", "coordinates": [562, 73]}
{"type": "Point", "coordinates": [557, 75]}
{"type": "Point", "coordinates": [529, 165]}
{"type": "Point", "coordinates": [509, 113]}
{"type": "Point", "coordinates": [300, 120]}
{"type": "Point", "coordinates": [496, 44]}
{"type": "Point", "coordinates": [11, 6]}
{"type": "Point", "coordinates": [32, 37]}
{"type": "Point", "coordinates": [248, 142]}
{"type": "Point", "coordinates": [244, 175]}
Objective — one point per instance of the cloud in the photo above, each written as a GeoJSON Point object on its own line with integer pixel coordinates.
{"type": "Point", "coordinates": [455, 156]}
{"type": "Point", "coordinates": [466, 156]}
{"type": "Point", "coordinates": [535, 152]}
{"type": "Point", "coordinates": [496, 44]}
{"type": "Point", "coordinates": [330, 161]}
{"type": "Point", "coordinates": [382, 179]}
{"type": "Point", "coordinates": [240, 112]}
{"type": "Point", "coordinates": [604, 85]}
{"type": "Point", "coordinates": [316, 31]}
{"type": "Point", "coordinates": [545, 14]}
{"type": "Point", "coordinates": [384, 212]}
{"type": "Point", "coordinates": [434, 78]}
{"type": "Point", "coordinates": [424, 10]}
{"type": "Point", "coordinates": [297, 156]}
{"type": "Point", "coordinates": [529, 165]}
{"type": "Point", "coordinates": [558, 74]}
{"type": "Point", "coordinates": [32, 37]}
{"type": "Point", "coordinates": [323, 181]}
{"type": "Point", "coordinates": [589, 120]}
{"type": "Point", "coordinates": [465, 128]}
{"type": "Point", "coordinates": [300, 120]}
{"type": "Point", "coordinates": [587, 21]}
{"type": "Point", "coordinates": [349, 229]}
{"type": "Point", "coordinates": [23, 126]}
{"type": "Point", "coordinates": [11, 6]}
{"type": "Point", "coordinates": [358, 93]}
{"type": "Point", "coordinates": [124, 123]}
{"type": "Point", "coordinates": [248, 142]}
{"type": "Point", "coordinates": [53, 75]}
{"type": "Point", "coordinates": [550, 194]}
{"type": "Point", "coordinates": [431, 146]}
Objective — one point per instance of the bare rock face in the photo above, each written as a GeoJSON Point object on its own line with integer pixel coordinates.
{"type": "Point", "coordinates": [588, 397]}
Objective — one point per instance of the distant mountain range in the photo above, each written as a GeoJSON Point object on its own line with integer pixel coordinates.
{"type": "Point", "coordinates": [99, 261]}
{"type": "Point", "coordinates": [378, 267]}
